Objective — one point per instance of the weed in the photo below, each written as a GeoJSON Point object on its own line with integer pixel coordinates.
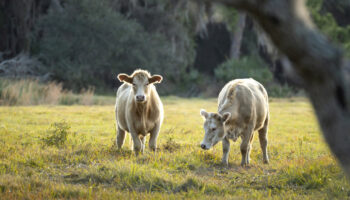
{"type": "Point", "coordinates": [57, 134]}
{"type": "Point", "coordinates": [171, 145]}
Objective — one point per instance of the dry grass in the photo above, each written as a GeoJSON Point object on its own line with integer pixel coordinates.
{"type": "Point", "coordinates": [32, 92]}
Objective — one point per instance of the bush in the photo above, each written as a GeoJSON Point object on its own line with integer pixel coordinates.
{"type": "Point", "coordinates": [277, 90]}
{"type": "Point", "coordinates": [88, 43]}
{"type": "Point", "coordinates": [328, 25]}
{"type": "Point", "coordinates": [246, 67]}
{"type": "Point", "coordinates": [253, 67]}
{"type": "Point", "coordinates": [57, 135]}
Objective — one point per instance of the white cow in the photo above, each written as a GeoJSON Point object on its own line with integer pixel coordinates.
{"type": "Point", "coordinates": [242, 109]}
{"type": "Point", "coordinates": [138, 109]}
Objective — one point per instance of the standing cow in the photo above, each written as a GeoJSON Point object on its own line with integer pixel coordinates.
{"type": "Point", "coordinates": [242, 109]}
{"type": "Point", "coordinates": [138, 109]}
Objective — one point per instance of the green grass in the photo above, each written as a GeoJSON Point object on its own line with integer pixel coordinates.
{"type": "Point", "coordinates": [87, 165]}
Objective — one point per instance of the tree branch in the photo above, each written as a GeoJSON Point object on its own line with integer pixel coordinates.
{"type": "Point", "coordinates": [238, 36]}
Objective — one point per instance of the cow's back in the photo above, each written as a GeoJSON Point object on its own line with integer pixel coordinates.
{"type": "Point", "coordinates": [246, 100]}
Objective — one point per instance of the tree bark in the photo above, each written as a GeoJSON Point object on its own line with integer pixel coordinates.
{"type": "Point", "coordinates": [318, 62]}
{"type": "Point", "coordinates": [19, 17]}
{"type": "Point", "coordinates": [237, 36]}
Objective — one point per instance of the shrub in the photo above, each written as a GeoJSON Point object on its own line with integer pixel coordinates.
{"type": "Point", "coordinates": [88, 43]}
{"type": "Point", "coordinates": [57, 134]}
{"type": "Point", "coordinates": [328, 25]}
{"type": "Point", "coordinates": [246, 67]}
{"type": "Point", "coordinates": [253, 67]}
{"type": "Point", "coordinates": [277, 90]}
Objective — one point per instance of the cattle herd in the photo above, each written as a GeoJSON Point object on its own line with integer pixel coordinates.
{"type": "Point", "coordinates": [242, 109]}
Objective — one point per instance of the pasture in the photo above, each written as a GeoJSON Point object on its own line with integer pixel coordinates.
{"type": "Point", "coordinates": [87, 165]}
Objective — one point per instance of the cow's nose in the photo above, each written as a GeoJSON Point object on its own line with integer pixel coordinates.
{"type": "Point", "coordinates": [203, 146]}
{"type": "Point", "coordinates": [140, 97]}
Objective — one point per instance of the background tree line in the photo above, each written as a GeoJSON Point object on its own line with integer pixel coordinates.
{"type": "Point", "coordinates": [84, 43]}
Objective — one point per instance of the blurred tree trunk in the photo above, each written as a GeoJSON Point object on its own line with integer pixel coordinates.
{"type": "Point", "coordinates": [238, 36]}
{"type": "Point", "coordinates": [320, 65]}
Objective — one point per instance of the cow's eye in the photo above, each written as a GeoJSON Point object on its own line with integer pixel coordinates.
{"type": "Point", "coordinates": [134, 84]}
{"type": "Point", "coordinates": [147, 84]}
{"type": "Point", "coordinates": [213, 129]}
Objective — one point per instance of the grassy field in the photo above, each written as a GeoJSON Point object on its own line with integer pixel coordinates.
{"type": "Point", "coordinates": [87, 164]}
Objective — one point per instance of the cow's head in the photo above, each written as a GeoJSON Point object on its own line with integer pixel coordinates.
{"type": "Point", "coordinates": [214, 127]}
{"type": "Point", "coordinates": [141, 82]}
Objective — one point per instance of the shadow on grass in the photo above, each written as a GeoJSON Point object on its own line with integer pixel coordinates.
{"type": "Point", "coordinates": [127, 181]}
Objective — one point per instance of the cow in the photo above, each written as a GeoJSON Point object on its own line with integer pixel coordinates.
{"type": "Point", "coordinates": [138, 109]}
{"type": "Point", "coordinates": [242, 109]}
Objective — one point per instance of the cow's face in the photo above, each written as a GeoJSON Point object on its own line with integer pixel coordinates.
{"type": "Point", "coordinates": [214, 127]}
{"type": "Point", "coordinates": [141, 83]}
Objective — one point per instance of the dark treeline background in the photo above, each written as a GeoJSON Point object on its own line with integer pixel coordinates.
{"type": "Point", "coordinates": [196, 47]}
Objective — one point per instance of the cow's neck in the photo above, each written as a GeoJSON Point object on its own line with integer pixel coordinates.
{"type": "Point", "coordinates": [142, 112]}
{"type": "Point", "coordinates": [141, 108]}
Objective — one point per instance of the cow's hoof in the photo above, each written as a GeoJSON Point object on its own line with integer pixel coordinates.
{"type": "Point", "coordinates": [244, 164]}
{"type": "Point", "coordinates": [225, 164]}
{"type": "Point", "coordinates": [154, 149]}
{"type": "Point", "coordinates": [137, 153]}
{"type": "Point", "coordinates": [266, 161]}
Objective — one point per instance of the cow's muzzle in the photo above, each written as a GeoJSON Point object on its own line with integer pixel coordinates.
{"type": "Point", "coordinates": [140, 98]}
{"type": "Point", "coordinates": [203, 146]}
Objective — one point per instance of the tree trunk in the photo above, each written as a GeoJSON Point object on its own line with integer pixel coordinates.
{"type": "Point", "coordinates": [319, 64]}
{"type": "Point", "coordinates": [17, 21]}
{"type": "Point", "coordinates": [237, 36]}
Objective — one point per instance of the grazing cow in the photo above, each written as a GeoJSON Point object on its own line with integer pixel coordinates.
{"type": "Point", "coordinates": [242, 109]}
{"type": "Point", "coordinates": [138, 109]}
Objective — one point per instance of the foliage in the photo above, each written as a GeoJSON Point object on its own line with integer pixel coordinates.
{"type": "Point", "coordinates": [88, 43]}
{"type": "Point", "coordinates": [172, 20]}
{"type": "Point", "coordinates": [229, 16]}
{"type": "Point", "coordinates": [278, 90]}
{"type": "Point", "coordinates": [328, 25]}
{"type": "Point", "coordinates": [253, 67]}
{"type": "Point", "coordinates": [90, 167]}
{"type": "Point", "coordinates": [57, 135]}
{"type": "Point", "coordinates": [246, 67]}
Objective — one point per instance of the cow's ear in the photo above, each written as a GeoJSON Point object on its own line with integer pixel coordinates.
{"type": "Point", "coordinates": [155, 79]}
{"type": "Point", "coordinates": [124, 78]}
{"type": "Point", "coordinates": [225, 117]}
{"type": "Point", "coordinates": [204, 113]}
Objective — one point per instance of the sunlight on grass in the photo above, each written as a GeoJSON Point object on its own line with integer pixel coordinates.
{"type": "Point", "coordinates": [85, 163]}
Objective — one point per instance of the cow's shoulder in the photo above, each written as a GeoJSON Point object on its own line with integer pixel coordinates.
{"type": "Point", "coordinates": [123, 90]}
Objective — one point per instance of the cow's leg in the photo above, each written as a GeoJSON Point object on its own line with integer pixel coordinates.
{"type": "Point", "coordinates": [153, 138]}
{"type": "Point", "coordinates": [249, 147]}
{"type": "Point", "coordinates": [225, 150]}
{"type": "Point", "coordinates": [263, 140]}
{"type": "Point", "coordinates": [120, 137]}
{"type": "Point", "coordinates": [136, 142]}
{"type": "Point", "coordinates": [245, 145]}
{"type": "Point", "coordinates": [143, 141]}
